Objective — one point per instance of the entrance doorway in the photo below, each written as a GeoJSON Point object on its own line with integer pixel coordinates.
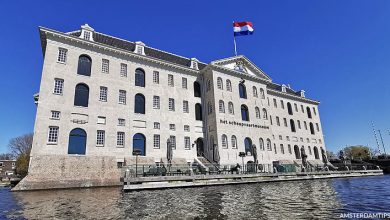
{"type": "Point", "coordinates": [199, 147]}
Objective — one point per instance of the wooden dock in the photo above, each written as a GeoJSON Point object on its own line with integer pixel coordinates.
{"type": "Point", "coordinates": [163, 182]}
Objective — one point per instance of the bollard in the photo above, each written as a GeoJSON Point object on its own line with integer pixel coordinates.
{"type": "Point", "coordinates": [275, 170]}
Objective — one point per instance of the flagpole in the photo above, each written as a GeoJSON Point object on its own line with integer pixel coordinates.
{"type": "Point", "coordinates": [234, 40]}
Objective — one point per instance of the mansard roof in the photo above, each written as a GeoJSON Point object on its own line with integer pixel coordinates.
{"type": "Point", "coordinates": [130, 46]}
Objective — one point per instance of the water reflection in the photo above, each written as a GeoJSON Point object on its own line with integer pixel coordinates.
{"type": "Point", "coordinates": [295, 200]}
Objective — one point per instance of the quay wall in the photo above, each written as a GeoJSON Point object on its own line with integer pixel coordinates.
{"type": "Point", "coordinates": [66, 171]}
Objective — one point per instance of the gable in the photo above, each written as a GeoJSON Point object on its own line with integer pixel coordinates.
{"type": "Point", "coordinates": [242, 65]}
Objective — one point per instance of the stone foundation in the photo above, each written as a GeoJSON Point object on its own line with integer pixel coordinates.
{"type": "Point", "coordinates": [65, 171]}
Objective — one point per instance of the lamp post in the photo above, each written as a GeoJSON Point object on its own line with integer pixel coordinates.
{"type": "Point", "coordinates": [136, 153]}
{"type": "Point", "coordinates": [242, 155]}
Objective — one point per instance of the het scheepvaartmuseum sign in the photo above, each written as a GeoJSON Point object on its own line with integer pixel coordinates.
{"type": "Point", "coordinates": [243, 124]}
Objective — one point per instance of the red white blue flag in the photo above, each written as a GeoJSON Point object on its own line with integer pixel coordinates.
{"type": "Point", "coordinates": [242, 28]}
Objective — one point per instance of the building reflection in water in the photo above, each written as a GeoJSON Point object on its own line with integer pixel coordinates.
{"type": "Point", "coordinates": [295, 200]}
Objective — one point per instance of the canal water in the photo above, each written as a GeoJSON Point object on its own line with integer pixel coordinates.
{"type": "Point", "coordinates": [312, 199]}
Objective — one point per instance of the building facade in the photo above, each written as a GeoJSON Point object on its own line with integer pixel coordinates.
{"type": "Point", "coordinates": [104, 96]}
{"type": "Point", "coordinates": [7, 168]}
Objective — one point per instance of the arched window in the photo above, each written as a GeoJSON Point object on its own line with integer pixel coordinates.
{"type": "Point", "coordinates": [197, 91]}
{"type": "Point", "coordinates": [248, 146]}
{"type": "Point", "coordinates": [224, 141]}
{"type": "Point", "coordinates": [242, 90]}
{"type": "Point", "coordinates": [231, 108]}
{"type": "Point", "coordinates": [265, 116]}
{"type": "Point", "coordinates": [81, 95]}
{"type": "Point", "coordinates": [77, 141]}
{"type": "Point", "coordinates": [255, 92]}
{"type": "Point", "coordinates": [262, 95]}
{"type": "Point", "coordinates": [289, 108]}
{"type": "Point", "coordinates": [311, 128]}
{"type": "Point", "coordinates": [297, 152]}
{"type": "Point", "coordinates": [234, 142]}
{"type": "Point", "coordinates": [292, 124]}
{"type": "Point", "coordinates": [198, 112]}
{"type": "Point", "coordinates": [269, 147]}
{"type": "Point", "coordinates": [261, 143]}
{"type": "Point", "coordinates": [228, 85]}
{"type": "Point", "coordinates": [308, 112]}
{"type": "Point", "coordinates": [139, 77]}
{"type": "Point", "coordinates": [219, 83]}
{"type": "Point", "coordinates": [221, 106]}
{"type": "Point", "coordinates": [84, 66]}
{"type": "Point", "coordinates": [244, 113]}
{"type": "Point", "coordinates": [139, 104]}
{"type": "Point", "coordinates": [303, 153]}
{"type": "Point", "coordinates": [209, 108]}
{"type": "Point", "coordinates": [316, 155]}
{"type": "Point", "coordinates": [139, 143]}
{"type": "Point", "coordinates": [257, 110]}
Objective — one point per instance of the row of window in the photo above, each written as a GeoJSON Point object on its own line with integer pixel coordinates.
{"type": "Point", "coordinates": [249, 146]}
{"type": "Point", "coordinates": [85, 66]}
{"type": "Point", "coordinates": [292, 124]}
{"type": "Point", "coordinates": [290, 109]}
{"type": "Point", "coordinates": [78, 140]}
{"type": "Point", "coordinates": [242, 88]}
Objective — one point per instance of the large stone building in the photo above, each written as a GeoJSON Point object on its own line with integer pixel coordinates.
{"type": "Point", "coordinates": [105, 96]}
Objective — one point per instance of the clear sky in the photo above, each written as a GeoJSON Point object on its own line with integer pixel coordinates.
{"type": "Point", "coordinates": [337, 51]}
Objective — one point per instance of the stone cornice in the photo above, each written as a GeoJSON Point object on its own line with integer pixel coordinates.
{"type": "Point", "coordinates": [119, 51]}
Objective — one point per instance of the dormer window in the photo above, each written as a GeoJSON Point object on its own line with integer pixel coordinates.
{"type": "Point", "coordinates": [194, 63]}
{"type": "Point", "coordinates": [139, 48]}
{"type": "Point", "coordinates": [87, 32]}
{"type": "Point", "coordinates": [283, 88]}
{"type": "Point", "coordinates": [302, 93]}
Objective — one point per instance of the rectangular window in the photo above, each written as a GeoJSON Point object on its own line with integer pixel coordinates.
{"type": "Point", "coordinates": [103, 94]}
{"type": "Point", "coordinates": [120, 139]}
{"type": "Point", "coordinates": [62, 55]}
{"type": "Point", "coordinates": [289, 149]}
{"type": "Point", "coordinates": [305, 125]}
{"type": "Point", "coordinates": [121, 122]}
{"type": "Point", "coordinates": [156, 141]}
{"type": "Point", "coordinates": [282, 148]}
{"type": "Point", "coordinates": [186, 128]}
{"type": "Point", "coordinates": [173, 142]}
{"type": "Point", "coordinates": [296, 107]}
{"type": "Point", "coordinates": [172, 127]}
{"type": "Point", "coordinates": [280, 137]}
{"type": "Point", "coordinates": [171, 104]}
{"type": "Point", "coordinates": [185, 107]}
{"type": "Point", "coordinates": [184, 83]}
{"type": "Point", "coordinates": [100, 138]}
{"type": "Point", "coordinates": [156, 125]}
{"type": "Point", "coordinates": [156, 77]}
{"type": "Point", "coordinates": [314, 110]}
{"type": "Point", "coordinates": [53, 135]}
{"type": "Point", "coordinates": [123, 70]}
{"type": "Point", "coordinates": [318, 127]}
{"type": "Point", "coordinates": [302, 109]}
{"type": "Point", "coordinates": [287, 138]}
{"type": "Point", "coordinates": [122, 97]}
{"type": "Point", "coordinates": [101, 120]}
{"type": "Point", "coordinates": [301, 139]}
{"type": "Point", "coordinates": [270, 119]}
{"type": "Point", "coordinates": [277, 121]}
{"type": "Point", "coordinates": [282, 104]}
{"type": "Point", "coordinates": [58, 86]}
{"type": "Point", "coordinates": [87, 35]}
{"type": "Point", "coordinates": [307, 140]}
{"type": "Point", "coordinates": [187, 143]}
{"type": "Point", "coordinates": [156, 102]}
{"type": "Point", "coordinates": [299, 124]}
{"type": "Point", "coordinates": [55, 115]}
{"type": "Point", "coordinates": [275, 103]}
{"type": "Point", "coordinates": [105, 66]}
{"type": "Point", "coordinates": [285, 122]}
{"type": "Point", "coordinates": [171, 83]}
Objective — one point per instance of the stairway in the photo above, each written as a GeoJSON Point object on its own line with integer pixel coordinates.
{"type": "Point", "coordinates": [206, 164]}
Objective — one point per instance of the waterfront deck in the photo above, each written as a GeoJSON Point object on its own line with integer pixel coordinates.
{"type": "Point", "coordinates": [163, 182]}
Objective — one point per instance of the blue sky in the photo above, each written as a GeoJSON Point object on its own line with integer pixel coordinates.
{"type": "Point", "coordinates": [337, 51]}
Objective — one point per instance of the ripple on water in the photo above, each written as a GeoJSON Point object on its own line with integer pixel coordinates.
{"type": "Point", "coordinates": [315, 199]}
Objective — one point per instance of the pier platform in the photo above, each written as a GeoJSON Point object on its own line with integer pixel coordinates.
{"type": "Point", "coordinates": [163, 182]}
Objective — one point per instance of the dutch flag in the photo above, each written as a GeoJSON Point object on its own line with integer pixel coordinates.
{"type": "Point", "coordinates": [242, 28]}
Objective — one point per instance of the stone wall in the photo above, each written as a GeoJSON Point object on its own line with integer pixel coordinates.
{"type": "Point", "coordinates": [65, 171]}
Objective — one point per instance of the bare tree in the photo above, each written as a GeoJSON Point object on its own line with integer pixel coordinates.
{"type": "Point", "coordinates": [6, 156]}
{"type": "Point", "coordinates": [21, 145]}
